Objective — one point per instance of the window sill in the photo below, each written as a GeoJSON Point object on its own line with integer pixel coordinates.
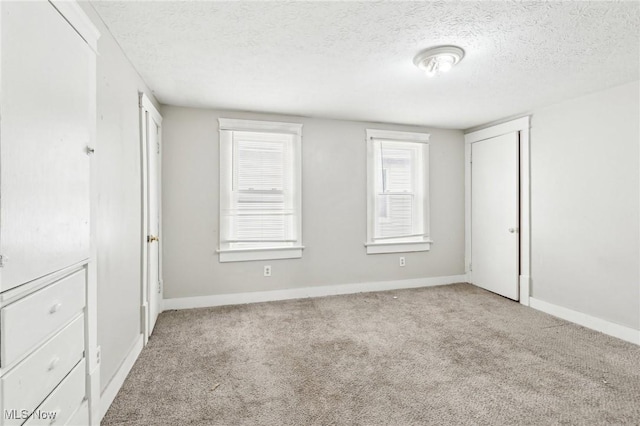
{"type": "Point", "coordinates": [396, 247]}
{"type": "Point", "coordinates": [244, 255]}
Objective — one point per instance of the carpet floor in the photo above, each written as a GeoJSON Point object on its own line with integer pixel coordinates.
{"type": "Point", "coordinates": [450, 355]}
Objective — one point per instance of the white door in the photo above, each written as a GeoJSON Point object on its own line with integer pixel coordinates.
{"type": "Point", "coordinates": [153, 158]}
{"type": "Point", "coordinates": [152, 285]}
{"type": "Point", "coordinates": [494, 215]}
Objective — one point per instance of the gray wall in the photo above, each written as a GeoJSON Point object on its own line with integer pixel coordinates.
{"type": "Point", "coordinates": [119, 210]}
{"type": "Point", "coordinates": [585, 204]}
{"type": "Point", "coordinates": [333, 212]}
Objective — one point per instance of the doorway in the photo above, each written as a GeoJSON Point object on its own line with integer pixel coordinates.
{"type": "Point", "coordinates": [151, 286]}
{"type": "Point", "coordinates": [497, 209]}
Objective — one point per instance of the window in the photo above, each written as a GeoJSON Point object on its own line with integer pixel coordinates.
{"type": "Point", "coordinates": [397, 192]}
{"type": "Point", "coordinates": [260, 201]}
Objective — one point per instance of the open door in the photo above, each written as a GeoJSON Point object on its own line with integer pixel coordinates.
{"type": "Point", "coordinates": [151, 131]}
{"type": "Point", "coordinates": [495, 250]}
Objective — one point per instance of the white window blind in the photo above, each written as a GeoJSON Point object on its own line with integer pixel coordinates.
{"type": "Point", "coordinates": [397, 191]}
{"type": "Point", "coordinates": [261, 209]}
{"type": "Point", "coordinates": [260, 192]}
{"type": "Point", "coordinates": [396, 198]}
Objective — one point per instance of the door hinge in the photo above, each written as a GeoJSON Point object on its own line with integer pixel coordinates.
{"type": "Point", "coordinates": [470, 268]}
{"type": "Point", "coordinates": [3, 260]}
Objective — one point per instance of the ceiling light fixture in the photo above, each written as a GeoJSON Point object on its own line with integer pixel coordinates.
{"type": "Point", "coordinates": [438, 60]}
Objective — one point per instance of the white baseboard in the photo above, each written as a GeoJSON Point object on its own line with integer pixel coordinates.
{"type": "Point", "coordinates": [612, 329]}
{"type": "Point", "coordinates": [305, 292]}
{"type": "Point", "coordinates": [118, 379]}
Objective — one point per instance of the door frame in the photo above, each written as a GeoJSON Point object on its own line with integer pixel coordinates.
{"type": "Point", "coordinates": [148, 110]}
{"type": "Point", "coordinates": [521, 126]}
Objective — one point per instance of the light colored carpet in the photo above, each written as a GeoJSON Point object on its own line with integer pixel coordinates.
{"type": "Point", "coordinates": [450, 355]}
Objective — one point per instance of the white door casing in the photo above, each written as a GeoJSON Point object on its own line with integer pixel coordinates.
{"type": "Point", "coordinates": [151, 286]}
{"type": "Point", "coordinates": [519, 126]}
{"type": "Point", "coordinates": [153, 224]}
{"type": "Point", "coordinates": [494, 215]}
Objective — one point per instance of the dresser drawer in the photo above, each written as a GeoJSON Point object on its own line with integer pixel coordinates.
{"type": "Point", "coordinates": [29, 383]}
{"type": "Point", "coordinates": [28, 321]}
{"type": "Point", "coordinates": [58, 408]}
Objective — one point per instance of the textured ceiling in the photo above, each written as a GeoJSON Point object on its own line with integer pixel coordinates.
{"type": "Point", "coordinates": [353, 60]}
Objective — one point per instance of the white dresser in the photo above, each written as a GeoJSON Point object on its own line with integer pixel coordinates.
{"type": "Point", "coordinates": [49, 360]}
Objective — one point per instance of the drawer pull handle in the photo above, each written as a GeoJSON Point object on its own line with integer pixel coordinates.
{"type": "Point", "coordinates": [55, 308]}
{"type": "Point", "coordinates": [53, 363]}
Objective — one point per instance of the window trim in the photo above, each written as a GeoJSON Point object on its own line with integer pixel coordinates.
{"type": "Point", "coordinates": [240, 125]}
{"type": "Point", "coordinates": [226, 128]}
{"type": "Point", "coordinates": [378, 247]}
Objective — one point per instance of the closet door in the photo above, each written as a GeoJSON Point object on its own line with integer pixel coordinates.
{"type": "Point", "coordinates": [44, 163]}
{"type": "Point", "coordinates": [495, 238]}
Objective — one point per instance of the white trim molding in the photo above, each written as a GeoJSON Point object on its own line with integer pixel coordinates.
{"type": "Point", "coordinates": [148, 114]}
{"type": "Point", "coordinates": [404, 247]}
{"type": "Point", "coordinates": [525, 288]}
{"type": "Point", "coordinates": [521, 126]}
{"type": "Point", "coordinates": [244, 255]}
{"type": "Point", "coordinates": [147, 105]}
{"type": "Point", "coordinates": [112, 389]}
{"type": "Point", "coordinates": [287, 135]}
{"type": "Point", "coordinates": [93, 389]}
{"type": "Point", "coordinates": [607, 327]}
{"type": "Point", "coordinates": [397, 136]}
{"type": "Point", "coordinates": [237, 124]}
{"type": "Point", "coordinates": [511, 126]}
{"type": "Point", "coordinates": [419, 144]}
{"type": "Point", "coordinates": [306, 292]}
{"type": "Point", "coordinates": [73, 13]}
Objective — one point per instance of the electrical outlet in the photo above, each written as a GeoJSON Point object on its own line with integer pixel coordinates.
{"type": "Point", "coordinates": [402, 261]}
{"type": "Point", "coordinates": [267, 270]}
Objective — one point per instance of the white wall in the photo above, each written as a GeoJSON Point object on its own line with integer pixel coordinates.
{"type": "Point", "coordinates": [585, 204]}
{"type": "Point", "coordinates": [334, 209]}
{"type": "Point", "coordinates": [119, 199]}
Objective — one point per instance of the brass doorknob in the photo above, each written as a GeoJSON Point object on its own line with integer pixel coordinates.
{"type": "Point", "coordinates": [152, 238]}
